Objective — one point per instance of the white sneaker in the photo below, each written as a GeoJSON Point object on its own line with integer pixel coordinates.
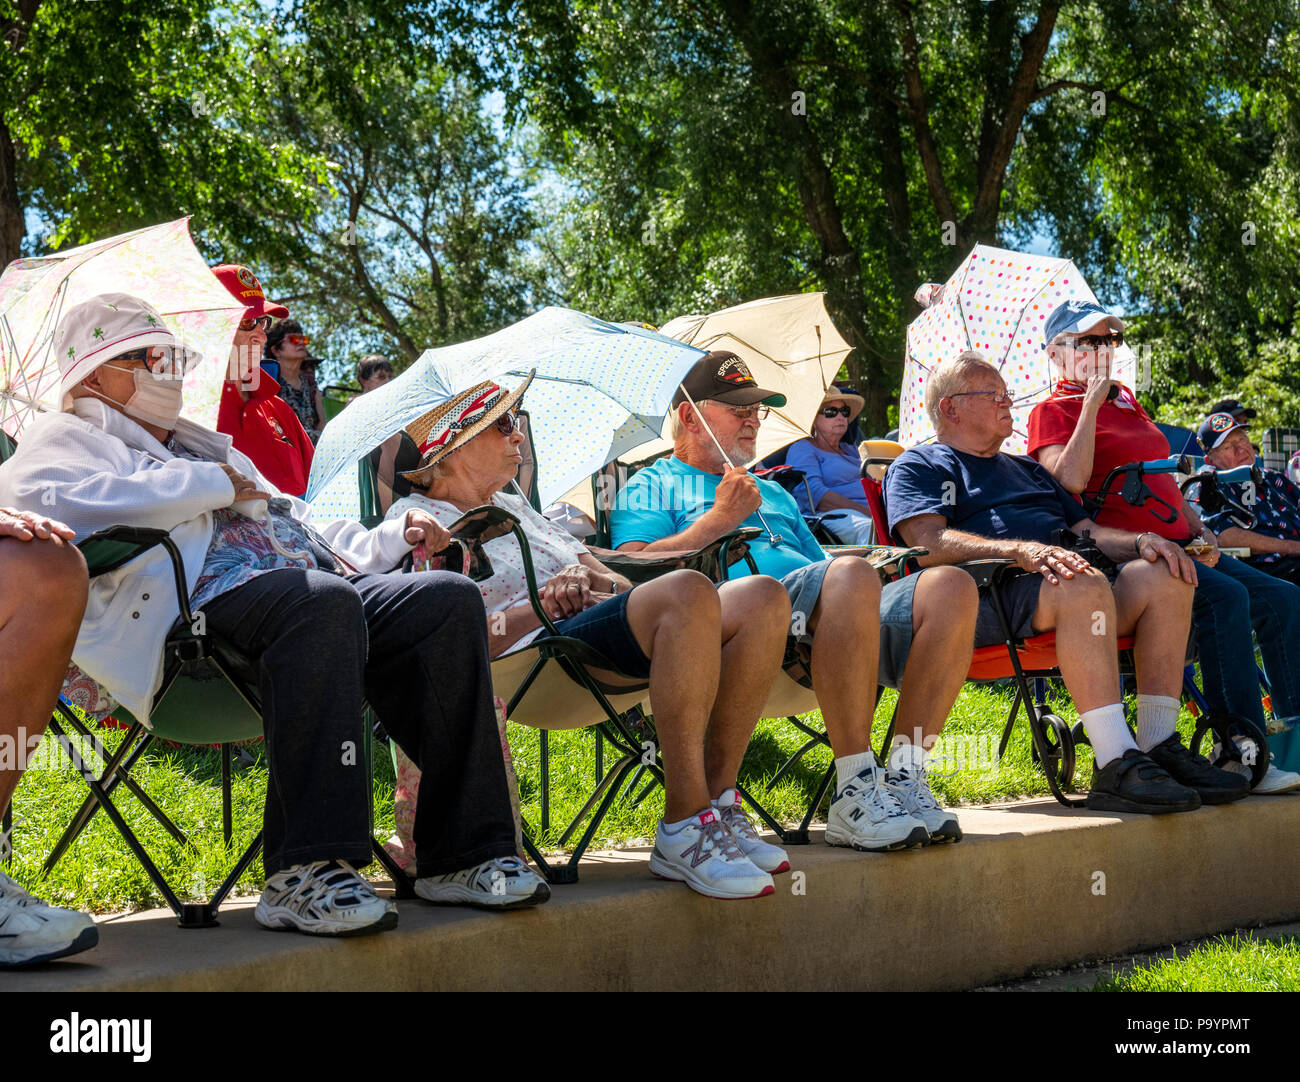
{"type": "Point", "coordinates": [1276, 780]}
{"type": "Point", "coordinates": [867, 815]}
{"type": "Point", "coordinates": [32, 931]}
{"type": "Point", "coordinates": [499, 883]}
{"type": "Point", "coordinates": [913, 791]}
{"type": "Point", "coordinates": [705, 855]}
{"type": "Point", "coordinates": [323, 898]}
{"type": "Point", "coordinates": [770, 858]}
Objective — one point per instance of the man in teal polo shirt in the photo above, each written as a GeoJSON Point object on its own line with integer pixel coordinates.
{"type": "Point", "coordinates": [696, 495]}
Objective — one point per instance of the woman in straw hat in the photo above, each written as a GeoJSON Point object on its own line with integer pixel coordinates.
{"type": "Point", "coordinates": [832, 465]}
{"type": "Point", "coordinates": [710, 654]}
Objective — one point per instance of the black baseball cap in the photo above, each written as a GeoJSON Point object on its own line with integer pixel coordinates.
{"type": "Point", "coordinates": [721, 376]}
{"type": "Point", "coordinates": [1231, 405]}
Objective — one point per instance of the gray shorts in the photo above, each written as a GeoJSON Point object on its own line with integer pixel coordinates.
{"type": "Point", "coordinates": [804, 586]}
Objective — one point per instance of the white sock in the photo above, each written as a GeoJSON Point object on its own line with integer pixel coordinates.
{"type": "Point", "coordinates": [848, 767]}
{"type": "Point", "coordinates": [907, 756]}
{"type": "Point", "coordinates": [1108, 732]}
{"type": "Point", "coordinates": [1156, 717]}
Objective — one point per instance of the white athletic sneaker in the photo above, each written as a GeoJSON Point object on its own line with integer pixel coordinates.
{"type": "Point", "coordinates": [323, 898]}
{"type": "Point", "coordinates": [1274, 781]}
{"type": "Point", "coordinates": [705, 855]}
{"type": "Point", "coordinates": [770, 858]}
{"type": "Point", "coordinates": [867, 815]}
{"type": "Point", "coordinates": [499, 883]}
{"type": "Point", "coordinates": [32, 931]}
{"type": "Point", "coordinates": [913, 791]}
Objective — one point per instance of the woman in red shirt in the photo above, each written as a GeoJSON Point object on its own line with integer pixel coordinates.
{"type": "Point", "coordinates": [1089, 425]}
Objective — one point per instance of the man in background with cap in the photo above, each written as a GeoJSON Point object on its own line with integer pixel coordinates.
{"type": "Point", "coordinates": [857, 635]}
{"type": "Point", "coordinates": [266, 581]}
{"type": "Point", "coordinates": [260, 423]}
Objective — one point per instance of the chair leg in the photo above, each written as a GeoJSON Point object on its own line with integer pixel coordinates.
{"type": "Point", "coordinates": [403, 884]}
{"type": "Point", "coordinates": [227, 825]}
{"type": "Point", "coordinates": [544, 761]}
{"type": "Point", "coordinates": [801, 835]}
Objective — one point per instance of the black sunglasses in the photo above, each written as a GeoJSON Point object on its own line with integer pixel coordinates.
{"type": "Point", "coordinates": [1098, 341]}
{"type": "Point", "coordinates": [508, 422]}
{"type": "Point", "coordinates": [836, 411]}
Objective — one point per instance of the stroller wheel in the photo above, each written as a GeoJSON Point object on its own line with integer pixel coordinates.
{"type": "Point", "coordinates": [1242, 745]}
{"type": "Point", "coordinates": [1059, 760]}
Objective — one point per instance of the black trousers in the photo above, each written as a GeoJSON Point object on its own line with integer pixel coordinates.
{"type": "Point", "coordinates": [415, 647]}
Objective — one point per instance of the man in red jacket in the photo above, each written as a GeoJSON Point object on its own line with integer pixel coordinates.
{"type": "Point", "coordinates": [263, 425]}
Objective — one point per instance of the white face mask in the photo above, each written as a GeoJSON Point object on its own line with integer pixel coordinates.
{"type": "Point", "coordinates": [157, 398]}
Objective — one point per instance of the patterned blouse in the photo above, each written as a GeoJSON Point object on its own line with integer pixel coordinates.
{"type": "Point", "coordinates": [302, 400]}
{"type": "Point", "coordinates": [1276, 507]}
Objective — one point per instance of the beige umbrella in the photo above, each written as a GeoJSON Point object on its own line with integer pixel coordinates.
{"type": "Point", "coordinates": [789, 343]}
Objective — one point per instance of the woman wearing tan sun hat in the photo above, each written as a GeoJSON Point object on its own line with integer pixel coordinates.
{"type": "Point", "coordinates": [710, 654]}
{"type": "Point", "coordinates": [832, 465]}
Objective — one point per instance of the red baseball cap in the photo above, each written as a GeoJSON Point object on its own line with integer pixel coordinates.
{"type": "Point", "coordinates": [243, 283]}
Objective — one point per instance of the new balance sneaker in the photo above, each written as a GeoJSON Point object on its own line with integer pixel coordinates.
{"type": "Point", "coordinates": [770, 858]}
{"type": "Point", "coordinates": [32, 931]}
{"type": "Point", "coordinates": [1275, 779]}
{"type": "Point", "coordinates": [326, 897]}
{"type": "Point", "coordinates": [707, 857]}
{"type": "Point", "coordinates": [1214, 786]}
{"type": "Point", "coordinates": [913, 791]}
{"type": "Point", "coordinates": [499, 883]}
{"type": "Point", "coordinates": [866, 814]}
{"type": "Point", "coordinates": [1132, 782]}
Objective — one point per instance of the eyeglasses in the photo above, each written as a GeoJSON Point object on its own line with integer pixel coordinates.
{"type": "Point", "coordinates": [1090, 343]}
{"type": "Point", "coordinates": [261, 323]}
{"type": "Point", "coordinates": [836, 411]}
{"type": "Point", "coordinates": [297, 339]}
{"type": "Point", "coordinates": [744, 413]}
{"type": "Point", "coordinates": [1000, 398]}
{"type": "Point", "coordinates": [169, 363]}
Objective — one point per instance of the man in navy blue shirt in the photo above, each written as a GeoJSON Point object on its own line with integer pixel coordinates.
{"type": "Point", "coordinates": [963, 499]}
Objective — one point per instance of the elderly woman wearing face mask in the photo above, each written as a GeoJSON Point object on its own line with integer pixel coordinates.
{"type": "Point", "coordinates": [710, 654]}
{"type": "Point", "coordinates": [1091, 424]}
{"type": "Point", "coordinates": [832, 466]}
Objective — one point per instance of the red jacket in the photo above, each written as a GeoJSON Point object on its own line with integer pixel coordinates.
{"type": "Point", "coordinates": [266, 429]}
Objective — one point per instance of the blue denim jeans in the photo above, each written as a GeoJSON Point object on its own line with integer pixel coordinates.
{"type": "Point", "coordinates": [1232, 599]}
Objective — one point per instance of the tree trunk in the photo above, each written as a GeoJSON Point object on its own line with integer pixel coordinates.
{"type": "Point", "coordinates": [13, 223]}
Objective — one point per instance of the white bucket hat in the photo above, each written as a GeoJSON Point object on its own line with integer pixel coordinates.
{"type": "Point", "coordinates": [104, 327]}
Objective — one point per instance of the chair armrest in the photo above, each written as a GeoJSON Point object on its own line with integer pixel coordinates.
{"type": "Point", "coordinates": [986, 572]}
{"type": "Point", "coordinates": [107, 550]}
{"type": "Point", "coordinates": [640, 567]}
{"type": "Point", "coordinates": [889, 560]}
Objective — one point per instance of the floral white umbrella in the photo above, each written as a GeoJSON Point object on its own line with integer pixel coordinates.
{"type": "Point", "coordinates": [600, 389]}
{"type": "Point", "coordinates": [996, 302]}
{"type": "Point", "coordinates": [159, 264]}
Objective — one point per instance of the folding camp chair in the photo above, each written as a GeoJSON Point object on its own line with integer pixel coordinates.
{"type": "Point", "coordinates": [1277, 445]}
{"type": "Point", "coordinates": [1053, 743]}
{"type": "Point", "coordinates": [792, 479]}
{"type": "Point", "coordinates": [208, 696]}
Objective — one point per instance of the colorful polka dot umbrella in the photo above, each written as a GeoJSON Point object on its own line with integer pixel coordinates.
{"type": "Point", "coordinates": [996, 302]}
{"type": "Point", "coordinates": [158, 264]}
{"type": "Point", "coordinates": [600, 390]}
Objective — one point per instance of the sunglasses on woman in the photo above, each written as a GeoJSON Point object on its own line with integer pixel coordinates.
{"type": "Point", "coordinates": [836, 411]}
{"type": "Point", "coordinates": [261, 322]}
{"type": "Point", "coordinates": [507, 423]}
{"type": "Point", "coordinates": [1092, 342]}
{"type": "Point", "coordinates": [297, 339]}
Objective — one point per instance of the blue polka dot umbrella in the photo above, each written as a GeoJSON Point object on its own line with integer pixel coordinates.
{"type": "Point", "coordinates": [601, 389]}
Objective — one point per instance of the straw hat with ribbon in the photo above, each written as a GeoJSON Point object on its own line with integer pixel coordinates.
{"type": "Point", "coordinates": [451, 425]}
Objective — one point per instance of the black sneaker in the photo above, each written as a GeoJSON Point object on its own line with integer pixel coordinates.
{"type": "Point", "coordinates": [1184, 765]}
{"type": "Point", "coordinates": [1134, 783]}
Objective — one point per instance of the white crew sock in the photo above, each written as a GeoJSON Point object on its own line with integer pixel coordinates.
{"type": "Point", "coordinates": [907, 756]}
{"type": "Point", "coordinates": [1107, 732]}
{"type": "Point", "coordinates": [848, 767]}
{"type": "Point", "coordinates": [1156, 717]}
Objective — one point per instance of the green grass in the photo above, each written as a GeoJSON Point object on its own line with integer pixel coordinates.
{"type": "Point", "coordinates": [99, 873]}
{"type": "Point", "coordinates": [1224, 965]}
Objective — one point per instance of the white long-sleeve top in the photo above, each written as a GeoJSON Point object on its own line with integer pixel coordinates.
{"type": "Point", "coordinates": [96, 468]}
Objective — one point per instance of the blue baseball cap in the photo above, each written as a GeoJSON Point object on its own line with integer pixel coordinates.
{"type": "Point", "coordinates": [1073, 316]}
{"type": "Point", "coordinates": [1216, 428]}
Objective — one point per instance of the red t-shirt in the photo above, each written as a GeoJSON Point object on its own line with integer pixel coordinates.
{"type": "Point", "coordinates": [1124, 434]}
{"type": "Point", "coordinates": [266, 429]}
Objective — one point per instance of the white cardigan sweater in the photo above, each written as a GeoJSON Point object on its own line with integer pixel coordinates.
{"type": "Point", "coordinates": [97, 468]}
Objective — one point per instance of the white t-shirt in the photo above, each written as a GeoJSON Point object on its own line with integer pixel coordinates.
{"type": "Point", "coordinates": [552, 548]}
